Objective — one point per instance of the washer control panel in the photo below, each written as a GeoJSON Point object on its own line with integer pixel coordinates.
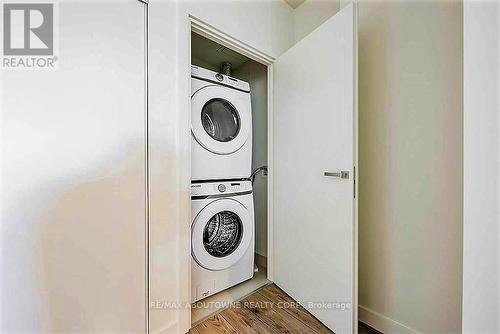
{"type": "Point", "coordinates": [204, 74]}
{"type": "Point", "coordinates": [220, 188]}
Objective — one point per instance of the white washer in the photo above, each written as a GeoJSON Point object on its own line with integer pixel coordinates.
{"type": "Point", "coordinates": [222, 236]}
{"type": "Point", "coordinates": [221, 126]}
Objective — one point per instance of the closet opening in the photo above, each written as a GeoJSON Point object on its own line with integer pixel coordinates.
{"type": "Point", "coordinates": [229, 176]}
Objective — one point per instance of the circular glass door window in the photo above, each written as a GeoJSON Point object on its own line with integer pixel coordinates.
{"type": "Point", "coordinates": [222, 234]}
{"type": "Point", "coordinates": [220, 120]}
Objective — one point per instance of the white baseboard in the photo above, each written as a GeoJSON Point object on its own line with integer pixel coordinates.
{"type": "Point", "coordinates": [382, 323]}
{"type": "Point", "coordinates": [172, 327]}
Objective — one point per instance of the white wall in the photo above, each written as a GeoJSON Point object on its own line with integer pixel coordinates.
{"type": "Point", "coordinates": [410, 165]}
{"type": "Point", "coordinates": [168, 206]}
{"type": "Point", "coordinates": [481, 279]}
{"type": "Point", "coordinates": [311, 14]}
{"type": "Point", "coordinates": [265, 25]}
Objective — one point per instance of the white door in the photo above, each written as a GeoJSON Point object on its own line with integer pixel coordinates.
{"type": "Point", "coordinates": [314, 132]}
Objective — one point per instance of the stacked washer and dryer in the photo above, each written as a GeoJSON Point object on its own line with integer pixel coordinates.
{"type": "Point", "coordinates": [222, 229]}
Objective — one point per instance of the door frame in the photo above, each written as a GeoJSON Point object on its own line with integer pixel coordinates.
{"type": "Point", "coordinates": [207, 30]}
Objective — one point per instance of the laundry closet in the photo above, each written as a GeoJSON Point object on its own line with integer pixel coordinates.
{"type": "Point", "coordinates": [273, 145]}
{"type": "Point", "coordinates": [228, 103]}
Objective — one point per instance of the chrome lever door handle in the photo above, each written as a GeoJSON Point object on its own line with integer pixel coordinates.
{"type": "Point", "coordinates": [343, 174]}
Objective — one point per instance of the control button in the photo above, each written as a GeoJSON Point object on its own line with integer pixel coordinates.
{"type": "Point", "coordinates": [219, 77]}
{"type": "Point", "coordinates": [222, 188]}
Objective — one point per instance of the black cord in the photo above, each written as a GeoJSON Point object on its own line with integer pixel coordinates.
{"type": "Point", "coordinates": [257, 170]}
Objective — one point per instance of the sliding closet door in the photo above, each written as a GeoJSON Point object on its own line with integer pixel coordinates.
{"type": "Point", "coordinates": [73, 141]}
{"type": "Point", "coordinates": [314, 159]}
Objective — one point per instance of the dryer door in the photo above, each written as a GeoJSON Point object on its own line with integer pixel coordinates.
{"type": "Point", "coordinates": [221, 118]}
{"type": "Point", "coordinates": [221, 234]}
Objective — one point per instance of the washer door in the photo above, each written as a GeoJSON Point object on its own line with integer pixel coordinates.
{"type": "Point", "coordinates": [221, 234]}
{"type": "Point", "coordinates": [220, 118]}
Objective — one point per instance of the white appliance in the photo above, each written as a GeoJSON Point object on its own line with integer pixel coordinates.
{"type": "Point", "coordinates": [222, 236]}
{"type": "Point", "coordinates": [221, 126]}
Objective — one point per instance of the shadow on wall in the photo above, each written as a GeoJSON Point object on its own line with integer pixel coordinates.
{"type": "Point", "coordinates": [411, 164]}
{"type": "Point", "coordinates": [90, 253]}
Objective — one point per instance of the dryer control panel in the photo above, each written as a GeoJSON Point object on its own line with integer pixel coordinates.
{"type": "Point", "coordinates": [220, 188]}
{"type": "Point", "coordinates": [204, 74]}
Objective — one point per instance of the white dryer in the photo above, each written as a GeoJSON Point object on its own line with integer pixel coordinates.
{"type": "Point", "coordinates": [221, 126]}
{"type": "Point", "coordinates": [222, 236]}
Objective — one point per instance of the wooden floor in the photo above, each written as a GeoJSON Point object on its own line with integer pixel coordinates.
{"type": "Point", "coordinates": [267, 311]}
